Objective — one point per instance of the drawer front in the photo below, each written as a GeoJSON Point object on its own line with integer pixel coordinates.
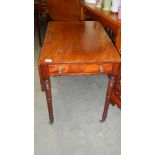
{"type": "Point", "coordinates": [76, 69]}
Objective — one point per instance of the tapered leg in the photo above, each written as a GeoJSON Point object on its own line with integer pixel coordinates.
{"type": "Point", "coordinates": [49, 100]}
{"type": "Point", "coordinates": [108, 95]}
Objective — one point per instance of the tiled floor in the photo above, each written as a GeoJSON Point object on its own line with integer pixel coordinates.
{"type": "Point", "coordinates": [78, 104]}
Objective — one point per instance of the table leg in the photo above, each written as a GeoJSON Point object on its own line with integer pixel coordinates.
{"type": "Point", "coordinates": [49, 100]}
{"type": "Point", "coordinates": [41, 79]}
{"type": "Point", "coordinates": [108, 95]}
{"type": "Point", "coordinates": [42, 86]}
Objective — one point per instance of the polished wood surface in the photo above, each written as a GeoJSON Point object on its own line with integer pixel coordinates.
{"type": "Point", "coordinates": [62, 10]}
{"type": "Point", "coordinates": [77, 42]}
{"type": "Point", "coordinates": [76, 48]}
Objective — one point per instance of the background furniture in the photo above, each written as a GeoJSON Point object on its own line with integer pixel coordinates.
{"type": "Point", "coordinates": [39, 8]}
{"type": "Point", "coordinates": [69, 49]}
{"type": "Point", "coordinates": [62, 10]}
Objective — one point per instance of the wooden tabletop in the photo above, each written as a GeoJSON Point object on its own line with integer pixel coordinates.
{"type": "Point", "coordinates": [77, 42]}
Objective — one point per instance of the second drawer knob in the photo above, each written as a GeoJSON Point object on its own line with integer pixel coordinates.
{"type": "Point", "coordinates": [101, 69]}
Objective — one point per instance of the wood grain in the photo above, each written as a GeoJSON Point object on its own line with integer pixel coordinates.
{"type": "Point", "coordinates": [77, 42]}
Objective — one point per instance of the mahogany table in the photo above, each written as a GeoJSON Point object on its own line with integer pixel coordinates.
{"type": "Point", "coordinates": [76, 48]}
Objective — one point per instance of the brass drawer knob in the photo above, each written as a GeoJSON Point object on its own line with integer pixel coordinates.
{"type": "Point", "coordinates": [60, 70]}
{"type": "Point", "coordinates": [101, 69]}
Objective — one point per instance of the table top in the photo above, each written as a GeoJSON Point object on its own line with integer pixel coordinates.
{"type": "Point", "coordinates": [77, 42]}
{"type": "Point", "coordinates": [113, 17]}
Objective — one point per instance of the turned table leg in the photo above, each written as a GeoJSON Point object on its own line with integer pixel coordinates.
{"type": "Point", "coordinates": [41, 79]}
{"type": "Point", "coordinates": [108, 95]}
{"type": "Point", "coordinates": [49, 100]}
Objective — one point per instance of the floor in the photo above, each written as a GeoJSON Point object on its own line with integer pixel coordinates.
{"type": "Point", "coordinates": [78, 104]}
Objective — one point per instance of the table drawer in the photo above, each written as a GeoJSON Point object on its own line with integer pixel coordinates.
{"type": "Point", "coordinates": [80, 69]}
